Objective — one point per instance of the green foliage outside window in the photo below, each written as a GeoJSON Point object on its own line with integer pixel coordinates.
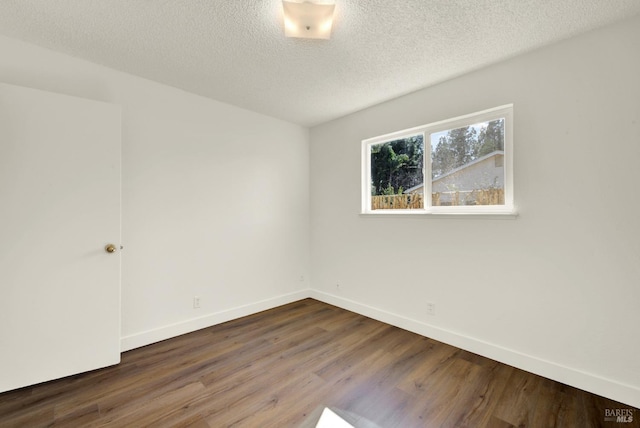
{"type": "Point", "coordinates": [397, 165]}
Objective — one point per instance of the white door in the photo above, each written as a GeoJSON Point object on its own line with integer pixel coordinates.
{"type": "Point", "coordinates": [59, 208]}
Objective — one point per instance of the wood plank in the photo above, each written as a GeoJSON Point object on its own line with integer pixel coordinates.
{"type": "Point", "coordinates": [281, 367]}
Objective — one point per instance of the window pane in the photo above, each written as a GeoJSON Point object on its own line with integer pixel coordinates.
{"type": "Point", "coordinates": [397, 174]}
{"type": "Point", "coordinates": [467, 165]}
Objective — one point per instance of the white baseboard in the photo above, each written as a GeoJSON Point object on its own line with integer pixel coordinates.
{"type": "Point", "coordinates": [614, 390]}
{"type": "Point", "coordinates": [166, 332]}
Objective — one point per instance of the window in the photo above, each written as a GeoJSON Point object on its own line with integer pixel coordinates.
{"type": "Point", "coordinates": [397, 166]}
{"type": "Point", "coordinates": [467, 160]}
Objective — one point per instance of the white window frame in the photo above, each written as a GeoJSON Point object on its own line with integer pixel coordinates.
{"type": "Point", "coordinates": [508, 209]}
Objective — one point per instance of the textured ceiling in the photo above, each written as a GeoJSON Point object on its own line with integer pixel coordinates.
{"type": "Point", "coordinates": [235, 50]}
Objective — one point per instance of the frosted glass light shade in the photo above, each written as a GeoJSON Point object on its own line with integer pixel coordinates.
{"type": "Point", "coordinates": [308, 20]}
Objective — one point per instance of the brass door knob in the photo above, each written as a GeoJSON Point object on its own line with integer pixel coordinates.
{"type": "Point", "coordinates": [110, 248]}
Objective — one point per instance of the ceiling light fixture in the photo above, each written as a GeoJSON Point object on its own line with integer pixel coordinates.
{"type": "Point", "coordinates": [307, 20]}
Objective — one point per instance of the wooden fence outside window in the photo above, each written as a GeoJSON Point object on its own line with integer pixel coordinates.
{"type": "Point", "coordinates": [416, 200]}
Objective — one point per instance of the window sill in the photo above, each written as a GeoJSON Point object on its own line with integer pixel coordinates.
{"type": "Point", "coordinates": [495, 215]}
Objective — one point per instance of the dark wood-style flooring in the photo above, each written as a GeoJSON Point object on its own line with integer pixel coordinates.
{"type": "Point", "coordinates": [281, 367]}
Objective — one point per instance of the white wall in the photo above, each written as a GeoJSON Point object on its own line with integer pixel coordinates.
{"type": "Point", "coordinates": [554, 291]}
{"type": "Point", "coordinates": [215, 198]}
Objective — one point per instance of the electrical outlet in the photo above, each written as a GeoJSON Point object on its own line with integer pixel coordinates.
{"type": "Point", "coordinates": [431, 308]}
{"type": "Point", "coordinates": [196, 302]}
